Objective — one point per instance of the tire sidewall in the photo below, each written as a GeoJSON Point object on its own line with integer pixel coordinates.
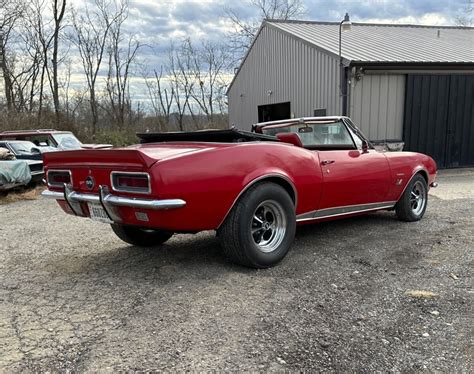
{"type": "Point", "coordinates": [250, 203]}
{"type": "Point", "coordinates": [406, 198]}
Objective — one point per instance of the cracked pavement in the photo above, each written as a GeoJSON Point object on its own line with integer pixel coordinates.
{"type": "Point", "coordinates": [73, 297]}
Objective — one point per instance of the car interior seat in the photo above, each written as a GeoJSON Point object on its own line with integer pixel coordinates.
{"type": "Point", "coordinates": [291, 138]}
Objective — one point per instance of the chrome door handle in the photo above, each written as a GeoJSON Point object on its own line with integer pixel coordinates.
{"type": "Point", "coordinates": [327, 162]}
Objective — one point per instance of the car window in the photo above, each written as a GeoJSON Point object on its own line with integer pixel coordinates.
{"type": "Point", "coordinates": [22, 147]}
{"type": "Point", "coordinates": [67, 141]}
{"type": "Point", "coordinates": [41, 140]}
{"type": "Point", "coordinates": [323, 134]}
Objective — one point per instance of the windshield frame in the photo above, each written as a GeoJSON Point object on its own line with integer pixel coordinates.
{"type": "Point", "coordinates": [312, 123]}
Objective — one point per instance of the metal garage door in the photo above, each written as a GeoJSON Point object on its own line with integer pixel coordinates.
{"type": "Point", "coordinates": [439, 118]}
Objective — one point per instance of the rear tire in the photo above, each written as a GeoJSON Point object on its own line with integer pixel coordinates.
{"type": "Point", "coordinates": [260, 228]}
{"type": "Point", "coordinates": [412, 205]}
{"type": "Point", "coordinates": [141, 237]}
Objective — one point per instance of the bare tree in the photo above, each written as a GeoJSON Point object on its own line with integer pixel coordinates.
{"type": "Point", "coordinates": [465, 18]}
{"type": "Point", "coordinates": [59, 8]}
{"type": "Point", "coordinates": [209, 64]}
{"type": "Point", "coordinates": [42, 42]}
{"type": "Point", "coordinates": [10, 13]}
{"type": "Point", "coordinates": [46, 35]}
{"type": "Point", "coordinates": [91, 29]}
{"type": "Point", "coordinates": [181, 79]}
{"type": "Point", "coordinates": [161, 97]}
{"type": "Point", "coordinates": [122, 53]}
{"type": "Point", "coordinates": [244, 30]}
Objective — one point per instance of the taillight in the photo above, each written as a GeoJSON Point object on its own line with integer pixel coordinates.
{"type": "Point", "coordinates": [57, 178]}
{"type": "Point", "coordinates": [131, 182]}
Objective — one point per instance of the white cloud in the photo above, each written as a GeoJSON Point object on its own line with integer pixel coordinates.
{"type": "Point", "coordinates": [434, 19]}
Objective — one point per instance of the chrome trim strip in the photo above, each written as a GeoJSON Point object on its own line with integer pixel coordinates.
{"type": "Point", "coordinates": [343, 210]}
{"type": "Point", "coordinates": [117, 200]}
{"type": "Point", "coordinates": [144, 203]}
{"type": "Point", "coordinates": [61, 171]}
{"type": "Point", "coordinates": [52, 195]}
{"type": "Point", "coordinates": [252, 182]}
{"type": "Point", "coordinates": [132, 173]}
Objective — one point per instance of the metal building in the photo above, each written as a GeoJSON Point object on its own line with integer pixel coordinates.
{"type": "Point", "coordinates": [399, 82]}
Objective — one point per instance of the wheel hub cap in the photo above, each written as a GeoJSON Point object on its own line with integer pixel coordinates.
{"type": "Point", "coordinates": [418, 198]}
{"type": "Point", "coordinates": [268, 226]}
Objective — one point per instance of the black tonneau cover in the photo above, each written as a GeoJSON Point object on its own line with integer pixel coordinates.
{"type": "Point", "coordinates": [216, 136]}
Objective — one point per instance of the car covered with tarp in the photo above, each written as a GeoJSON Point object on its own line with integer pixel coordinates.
{"type": "Point", "coordinates": [13, 173]}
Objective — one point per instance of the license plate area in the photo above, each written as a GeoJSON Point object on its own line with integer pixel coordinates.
{"type": "Point", "coordinates": [98, 213]}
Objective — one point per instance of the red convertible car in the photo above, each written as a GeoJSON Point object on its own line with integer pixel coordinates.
{"type": "Point", "coordinates": [253, 188]}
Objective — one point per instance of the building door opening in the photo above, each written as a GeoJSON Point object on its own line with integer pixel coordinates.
{"type": "Point", "coordinates": [274, 112]}
{"type": "Point", "coordinates": [438, 119]}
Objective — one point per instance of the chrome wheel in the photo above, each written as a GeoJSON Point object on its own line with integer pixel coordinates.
{"type": "Point", "coordinates": [268, 226]}
{"type": "Point", "coordinates": [418, 198]}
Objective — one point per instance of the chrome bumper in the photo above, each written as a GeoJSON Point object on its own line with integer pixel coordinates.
{"type": "Point", "coordinates": [109, 201]}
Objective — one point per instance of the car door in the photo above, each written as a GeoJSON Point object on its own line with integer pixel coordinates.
{"type": "Point", "coordinates": [355, 176]}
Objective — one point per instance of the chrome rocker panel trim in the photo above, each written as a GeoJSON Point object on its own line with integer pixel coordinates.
{"type": "Point", "coordinates": [343, 210]}
{"type": "Point", "coordinates": [109, 199]}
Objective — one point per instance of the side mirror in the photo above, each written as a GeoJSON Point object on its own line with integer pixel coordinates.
{"type": "Point", "coordinates": [365, 146]}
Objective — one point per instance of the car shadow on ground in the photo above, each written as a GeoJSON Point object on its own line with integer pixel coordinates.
{"type": "Point", "coordinates": [201, 254]}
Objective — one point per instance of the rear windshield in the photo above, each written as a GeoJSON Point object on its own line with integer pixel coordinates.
{"type": "Point", "coordinates": [40, 140]}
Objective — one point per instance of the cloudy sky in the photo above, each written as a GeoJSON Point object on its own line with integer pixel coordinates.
{"type": "Point", "coordinates": [160, 21]}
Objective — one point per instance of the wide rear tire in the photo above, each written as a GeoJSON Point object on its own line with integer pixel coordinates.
{"type": "Point", "coordinates": [141, 237]}
{"type": "Point", "coordinates": [260, 228]}
{"type": "Point", "coordinates": [412, 205]}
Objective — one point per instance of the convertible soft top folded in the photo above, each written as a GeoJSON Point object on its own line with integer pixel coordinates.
{"type": "Point", "coordinates": [217, 136]}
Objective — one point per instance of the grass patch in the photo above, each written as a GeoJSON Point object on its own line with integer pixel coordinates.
{"type": "Point", "coordinates": [20, 194]}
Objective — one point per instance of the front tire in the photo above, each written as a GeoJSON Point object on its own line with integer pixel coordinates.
{"type": "Point", "coordinates": [260, 228]}
{"type": "Point", "coordinates": [412, 205]}
{"type": "Point", "coordinates": [141, 237]}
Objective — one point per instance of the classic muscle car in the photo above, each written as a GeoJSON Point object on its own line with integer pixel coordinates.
{"type": "Point", "coordinates": [49, 139]}
{"type": "Point", "coordinates": [253, 188]}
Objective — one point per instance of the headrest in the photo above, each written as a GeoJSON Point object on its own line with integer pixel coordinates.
{"type": "Point", "coordinates": [290, 137]}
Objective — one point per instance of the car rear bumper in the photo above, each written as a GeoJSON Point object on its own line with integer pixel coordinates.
{"type": "Point", "coordinates": [109, 202]}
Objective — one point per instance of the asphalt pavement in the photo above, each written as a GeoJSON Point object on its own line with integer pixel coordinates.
{"type": "Point", "coordinates": [363, 294]}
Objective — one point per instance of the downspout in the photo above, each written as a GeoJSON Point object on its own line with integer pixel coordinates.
{"type": "Point", "coordinates": [350, 104]}
{"type": "Point", "coordinates": [345, 95]}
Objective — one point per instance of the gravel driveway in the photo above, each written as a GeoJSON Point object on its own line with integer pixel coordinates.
{"type": "Point", "coordinates": [362, 294]}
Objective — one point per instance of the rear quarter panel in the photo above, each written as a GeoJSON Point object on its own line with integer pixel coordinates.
{"type": "Point", "coordinates": [211, 181]}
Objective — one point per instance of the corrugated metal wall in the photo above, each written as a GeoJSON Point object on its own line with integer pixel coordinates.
{"type": "Point", "coordinates": [439, 116]}
{"type": "Point", "coordinates": [292, 70]}
{"type": "Point", "coordinates": [377, 105]}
